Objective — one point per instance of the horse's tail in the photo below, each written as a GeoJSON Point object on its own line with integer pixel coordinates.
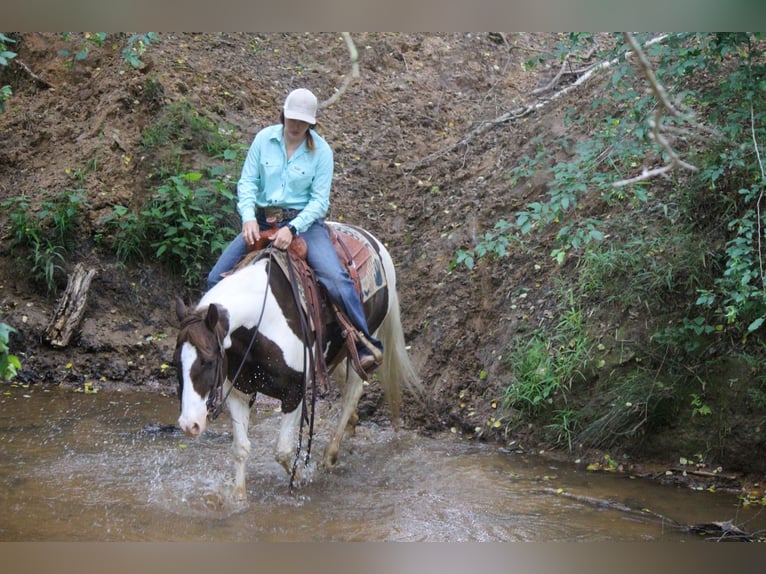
{"type": "Point", "coordinates": [396, 372]}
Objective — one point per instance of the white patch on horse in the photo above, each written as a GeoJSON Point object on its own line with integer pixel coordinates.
{"type": "Point", "coordinates": [193, 419]}
{"type": "Point", "coordinates": [245, 305]}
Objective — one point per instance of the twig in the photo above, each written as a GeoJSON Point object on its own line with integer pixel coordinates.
{"type": "Point", "coordinates": [354, 57]}
{"type": "Point", "coordinates": [760, 195]}
{"type": "Point", "coordinates": [555, 81]}
{"type": "Point", "coordinates": [563, 71]}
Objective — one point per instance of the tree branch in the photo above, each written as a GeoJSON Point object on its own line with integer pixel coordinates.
{"type": "Point", "coordinates": [34, 76]}
{"type": "Point", "coordinates": [655, 123]}
{"type": "Point", "coordinates": [760, 195]}
{"type": "Point", "coordinates": [354, 57]}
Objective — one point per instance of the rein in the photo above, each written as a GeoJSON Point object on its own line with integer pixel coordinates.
{"type": "Point", "coordinates": [312, 369]}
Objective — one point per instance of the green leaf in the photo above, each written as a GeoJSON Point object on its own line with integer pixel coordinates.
{"type": "Point", "coordinates": [755, 324]}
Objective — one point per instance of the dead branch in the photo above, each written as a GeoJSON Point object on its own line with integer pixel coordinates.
{"type": "Point", "coordinates": [523, 111]}
{"type": "Point", "coordinates": [354, 57]}
{"type": "Point", "coordinates": [563, 71]}
{"type": "Point", "coordinates": [556, 79]}
{"type": "Point", "coordinates": [34, 76]}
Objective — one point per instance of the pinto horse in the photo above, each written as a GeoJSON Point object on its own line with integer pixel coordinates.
{"type": "Point", "coordinates": [245, 336]}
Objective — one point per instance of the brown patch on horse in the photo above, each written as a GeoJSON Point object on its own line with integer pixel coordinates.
{"type": "Point", "coordinates": [264, 370]}
{"type": "Point", "coordinates": [205, 329]}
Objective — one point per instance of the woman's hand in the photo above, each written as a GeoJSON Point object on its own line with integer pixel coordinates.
{"type": "Point", "coordinates": [251, 233]}
{"type": "Point", "coordinates": [283, 238]}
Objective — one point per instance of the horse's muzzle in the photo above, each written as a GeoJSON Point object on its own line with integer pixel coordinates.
{"type": "Point", "coordinates": [192, 428]}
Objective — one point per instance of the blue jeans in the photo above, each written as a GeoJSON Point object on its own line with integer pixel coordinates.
{"type": "Point", "coordinates": [323, 260]}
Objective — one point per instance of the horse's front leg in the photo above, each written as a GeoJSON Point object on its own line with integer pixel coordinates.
{"type": "Point", "coordinates": [288, 430]}
{"type": "Point", "coordinates": [239, 410]}
{"type": "Point", "coordinates": [351, 393]}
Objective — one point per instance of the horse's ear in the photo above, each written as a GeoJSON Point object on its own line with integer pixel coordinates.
{"type": "Point", "coordinates": [180, 309]}
{"type": "Point", "coordinates": [211, 320]}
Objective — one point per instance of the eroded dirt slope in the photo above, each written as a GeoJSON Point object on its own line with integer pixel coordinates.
{"type": "Point", "coordinates": [419, 162]}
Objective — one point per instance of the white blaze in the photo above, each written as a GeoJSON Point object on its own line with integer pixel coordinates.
{"type": "Point", "coordinates": [193, 419]}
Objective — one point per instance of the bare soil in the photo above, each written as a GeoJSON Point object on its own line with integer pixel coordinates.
{"type": "Point", "coordinates": [418, 162]}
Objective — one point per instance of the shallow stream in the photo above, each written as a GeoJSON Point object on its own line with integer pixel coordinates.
{"type": "Point", "coordinates": [109, 466]}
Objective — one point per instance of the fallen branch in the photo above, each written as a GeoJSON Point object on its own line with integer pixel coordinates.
{"type": "Point", "coordinates": [563, 71]}
{"type": "Point", "coordinates": [70, 309]}
{"type": "Point", "coordinates": [34, 76]}
{"type": "Point", "coordinates": [716, 531]}
{"type": "Point", "coordinates": [704, 473]}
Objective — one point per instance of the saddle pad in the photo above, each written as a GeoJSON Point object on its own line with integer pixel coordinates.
{"type": "Point", "coordinates": [364, 257]}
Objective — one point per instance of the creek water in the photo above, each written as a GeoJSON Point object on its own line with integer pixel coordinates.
{"type": "Point", "coordinates": [110, 466]}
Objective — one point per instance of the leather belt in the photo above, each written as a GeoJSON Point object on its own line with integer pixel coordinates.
{"type": "Point", "coordinates": [277, 213]}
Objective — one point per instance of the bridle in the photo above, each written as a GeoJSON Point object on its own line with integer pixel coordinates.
{"type": "Point", "coordinates": [215, 399]}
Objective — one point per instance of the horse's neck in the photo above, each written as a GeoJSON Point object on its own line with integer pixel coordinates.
{"type": "Point", "coordinates": [242, 295]}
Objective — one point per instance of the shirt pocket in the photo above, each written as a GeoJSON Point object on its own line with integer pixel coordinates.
{"type": "Point", "coordinates": [271, 165]}
{"type": "Point", "coordinates": [300, 177]}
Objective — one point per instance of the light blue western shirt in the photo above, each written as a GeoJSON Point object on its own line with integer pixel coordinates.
{"type": "Point", "coordinates": [269, 179]}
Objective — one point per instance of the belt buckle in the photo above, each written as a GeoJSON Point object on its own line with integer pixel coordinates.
{"type": "Point", "coordinates": [273, 214]}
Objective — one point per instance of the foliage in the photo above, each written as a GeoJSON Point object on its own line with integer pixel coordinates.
{"type": "Point", "coordinates": [5, 56]}
{"type": "Point", "coordinates": [544, 367]}
{"type": "Point", "coordinates": [9, 364]}
{"type": "Point", "coordinates": [43, 237]}
{"type": "Point", "coordinates": [88, 40]}
{"type": "Point", "coordinates": [124, 232]}
{"type": "Point", "coordinates": [687, 250]}
{"type": "Point", "coordinates": [619, 143]}
{"type": "Point", "coordinates": [184, 222]}
{"type": "Point", "coordinates": [135, 46]}
{"type": "Point", "coordinates": [180, 128]}
{"type": "Point", "coordinates": [623, 408]}
{"type": "Point", "coordinates": [190, 215]}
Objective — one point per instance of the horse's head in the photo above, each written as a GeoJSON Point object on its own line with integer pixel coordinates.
{"type": "Point", "coordinates": [200, 361]}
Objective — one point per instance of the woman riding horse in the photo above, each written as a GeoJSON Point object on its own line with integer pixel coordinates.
{"type": "Point", "coordinates": [286, 182]}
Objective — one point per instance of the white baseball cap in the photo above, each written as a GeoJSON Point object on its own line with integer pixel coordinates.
{"type": "Point", "coordinates": [301, 104]}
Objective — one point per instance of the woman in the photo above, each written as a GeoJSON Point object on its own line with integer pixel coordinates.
{"type": "Point", "coordinates": [286, 180]}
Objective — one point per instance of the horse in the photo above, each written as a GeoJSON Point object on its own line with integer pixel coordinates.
{"type": "Point", "coordinates": [246, 335]}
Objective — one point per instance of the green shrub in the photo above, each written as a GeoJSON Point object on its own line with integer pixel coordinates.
{"type": "Point", "coordinates": [544, 366]}
{"type": "Point", "coordinates": [42, 238]}
{"type": "Point", "coordinates": [185, 223]}
{"type": "Point", "coordinates": [9, 364]}
{"type": "Point", "coordinates": [179, 129]}
{"type": "Point", "coordinates": [5, 57]}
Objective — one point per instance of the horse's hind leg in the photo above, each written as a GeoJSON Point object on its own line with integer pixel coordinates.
{"type": "Point", "coordinates": [239, 409]}
{"type": "Point", "coordinates": [351, 393]}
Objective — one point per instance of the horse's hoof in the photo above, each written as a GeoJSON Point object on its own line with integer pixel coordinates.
{"type": "Point", "coordinates": [330, 460]}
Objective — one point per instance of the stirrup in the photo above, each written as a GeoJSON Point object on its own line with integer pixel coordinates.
{"type": "Point", "coordinates": [376, 353]}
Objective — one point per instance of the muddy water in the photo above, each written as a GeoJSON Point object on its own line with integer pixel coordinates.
{"type": "Point", "coordinates": [102, 467]}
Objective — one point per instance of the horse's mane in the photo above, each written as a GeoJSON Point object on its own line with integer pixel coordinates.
{"type": "Point", "coordinates": [192, 318]}
{"type": "Point", "coordinates": [187, 332]}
